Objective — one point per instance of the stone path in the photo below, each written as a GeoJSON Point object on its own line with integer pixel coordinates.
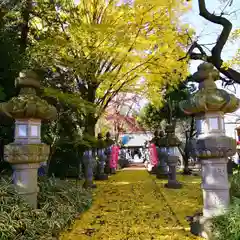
{"type": "Point", "coordinates": [135, 166]}
{"type": "Point", "coordinates": [130, 206]}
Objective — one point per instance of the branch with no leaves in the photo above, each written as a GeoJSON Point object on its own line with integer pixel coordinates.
{"type": "Point", "coordinates": [216, 51]}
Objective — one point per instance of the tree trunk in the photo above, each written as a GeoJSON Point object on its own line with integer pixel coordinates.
{"type": "Point", "coordinates": [91, 121]}
{"type": "Point", "coordinates": [25, 25]}
{"type": "Point", "coordinates": [1, 150]}
{"type": "Point", "coordinates": [186, 156]}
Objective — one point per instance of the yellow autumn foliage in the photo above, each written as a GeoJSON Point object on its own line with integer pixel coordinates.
{"type": "Point", "coordinates": [133, 206]}
{"type": "Point", "coordinates": [235, 61]}
{"type": "Point", "coordinates": [115, 45]}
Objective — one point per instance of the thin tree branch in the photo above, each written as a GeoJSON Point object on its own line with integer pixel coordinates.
{"type": "Point", "coordinates": [222, 39]}
{"type": "Point", "coordinates": [216, 51]}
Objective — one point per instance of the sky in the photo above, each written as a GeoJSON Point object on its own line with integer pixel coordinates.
{"type": "Point", "coordinates": [207, 32]}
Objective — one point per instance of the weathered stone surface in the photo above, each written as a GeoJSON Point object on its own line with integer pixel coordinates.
{"type": "Point", "coordinates": [215, 147]}
{"type": "Point", "coordinates": [215, 186]}
{"type": "Point", "coordinates": [26, 153]}
{"type": "Point", "coordinates": [27, 104]}
{"type": "Point", "coordinates": [209, 98]}
{"type": "Point", "coordinates": [212, 146]}
{"type": "Point", "coordinates": [25, 181]}
{"type": "Point", "coordinates": [172, 180]}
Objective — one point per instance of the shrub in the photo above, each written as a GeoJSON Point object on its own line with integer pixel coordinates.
{"type": "Point", "coordinates": [60, 202]}
{"type": "Point", "coordinates": [227, 226]}
{"type": "Point", "coordinates": [235, 185]}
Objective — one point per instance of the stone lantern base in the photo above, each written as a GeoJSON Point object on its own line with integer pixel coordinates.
{"type": "Point", "coordinates": [162, 172]}
{"type": "Point", "coordinates": [101, 177]}
{"type": "Point", "coordinates": [173, 185]}
{"type": "Point", "coordinates": [162, 167]}
{"type": "Point", "coordinates": [100, 174]}
{"type": "Point", "coordinates": [25, 181]}
{"type": "Point", "coordinates": [200, 226]}
{"type": "Point", "coordinates": [172, 181]}
{"type": "Point", "coordinates": [25, 159]}
{"type": "Point", "coordinates": [113, 171]}
{"type": "Point", "coordinates": [216, 197]}
{"type": "Point", "coordinates": [161, 175]}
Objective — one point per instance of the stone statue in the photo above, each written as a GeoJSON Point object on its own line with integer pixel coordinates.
{"type": "Point", "coordinates": [162, 168]}
{"type": "Point", "coordinates": [108, 144]}
{"type": "Point", "coordinates": [172, 143]}
{"type": "Point", "coordinates": [100, 149]}
{"type": "Point", "coordinates": [88, 165]}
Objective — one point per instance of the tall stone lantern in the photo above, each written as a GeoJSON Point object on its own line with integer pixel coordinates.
{"type": "Point", "coordinates": [162, 168]}
{"type": "Point", "coordinates": [172, 143]}
{"type": "Point", "coordinates": [213, 147]}
{"type": "Point", "coordinates": [27, 152]}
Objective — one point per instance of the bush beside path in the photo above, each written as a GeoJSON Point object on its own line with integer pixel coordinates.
{"type": "Point", "coordinates": [133, 205]}
{"type": "Point", "coordinates": [59, 204]}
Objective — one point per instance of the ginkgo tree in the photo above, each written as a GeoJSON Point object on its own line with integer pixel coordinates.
{"type": "Point", "coordinates": [111, 46]}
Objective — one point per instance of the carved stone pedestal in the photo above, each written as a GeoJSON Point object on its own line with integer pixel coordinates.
{"type": "Point", "coordinates": [25, 181]}
{"type": "Point", "coordinates": [88, 162]}
{"type": "Point", "coordinates": [216, 197]}
{"type": "Point", "coordinates": [201, 226]}
{"type": "Point", "coordinates": [172, 180]}
{"type": "Point", "coordinates": [113, 170]}
{"type": "Point", "coordinates": [101, 175]}
{"type": "Point", "coordinates": [161, 173]}
{"type": "Point", "coordinates": [215, 186]}
{"type": "Point", "coordinates": [25, 160]}
{"type": "Point", "coordinates": [162, 168]}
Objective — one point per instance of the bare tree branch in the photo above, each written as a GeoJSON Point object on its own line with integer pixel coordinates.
{"type": "Point", "coordinates": [216, 51]}
{"type": "Point", "coordinates": [222, 39]}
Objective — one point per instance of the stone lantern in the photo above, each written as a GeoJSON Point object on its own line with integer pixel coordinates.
{"type": "Point", "coordinates": [27, 152]}
{"type": "Point", "coordinates": [172, 143]}
{"type": "Point", "coordinates": [213, 147]}
{"type": "Point", "coordinates": [162, 168]}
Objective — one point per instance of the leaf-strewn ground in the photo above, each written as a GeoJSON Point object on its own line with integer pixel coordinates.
{"type": "Point", "coordinates": [134, 205]}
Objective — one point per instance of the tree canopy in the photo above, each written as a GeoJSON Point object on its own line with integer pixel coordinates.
{"type": "Point", "coordinates": [152, 116]}
{"type": "Point", "coordinates": [109, 47]}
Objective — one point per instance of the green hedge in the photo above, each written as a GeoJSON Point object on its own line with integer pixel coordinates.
{"type": "Point", "coordinates": [60, 203]}
{"type": "Point", "coordinates": [227, 226]}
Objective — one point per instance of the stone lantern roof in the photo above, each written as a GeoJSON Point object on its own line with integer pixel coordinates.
{"type": "Point", "coordinates": [209, 98]}
{"type": "Point", "coordinates": [170, 139]}
{"type": "Point", "coordinates": [27, 105]}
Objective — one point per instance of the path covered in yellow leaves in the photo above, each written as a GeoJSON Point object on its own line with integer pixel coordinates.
{"type": "Point", "coordinates": [134, 205]}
